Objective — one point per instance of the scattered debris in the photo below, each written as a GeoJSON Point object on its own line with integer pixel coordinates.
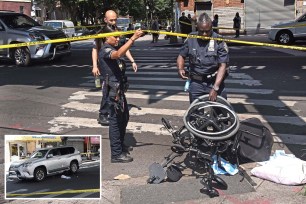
{"type": "Point", "coordinates": [122, 177]}
{"type": "Point", "coordinates": [65, 177]}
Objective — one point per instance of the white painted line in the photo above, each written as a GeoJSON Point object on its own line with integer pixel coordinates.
{"type": "Point", "coordinates": [61, 123]}
{"type": "Point", "coordinates": [54, 195]}
{"type": "Point", "coordinates": [229, 81]}
{"type": "Point", "coordinates": [83, 195]}
{"type": "Point", "coordinates": [173, 73]}
{"type": "Point", "coordinates": [136, 87]}
{"type": "Point", "coordinates": [183, 96]}
{"type": "Point", "coordinates": [89, 107]}
{"type": "Point", "coordinates": [17, 191]}
{"type": "Point", "coordinates": [179, 88]}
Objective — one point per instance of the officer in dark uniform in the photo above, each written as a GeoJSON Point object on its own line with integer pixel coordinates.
{"type": "Point", "coordinates": [208, 61]}
{"type": "Point", "coordinates": [113, 71]}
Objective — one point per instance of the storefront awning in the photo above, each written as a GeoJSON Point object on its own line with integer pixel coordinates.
{"type": "Point", "coordinates": [29, 138]}
{"type": "Point", "coordinates": [93, 140]}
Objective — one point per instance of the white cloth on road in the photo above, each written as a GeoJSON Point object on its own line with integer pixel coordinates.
{"type": "Point", "coordinates": [282, 168]}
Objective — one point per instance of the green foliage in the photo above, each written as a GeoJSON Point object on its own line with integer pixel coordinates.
{"type": "Point", "coordinates": [92, 10]}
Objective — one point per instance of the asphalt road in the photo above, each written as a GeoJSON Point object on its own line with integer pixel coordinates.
{"type": "Point", "coordinates": [86, 179]}
{"type": "Point", "coordinates": [59, 98]}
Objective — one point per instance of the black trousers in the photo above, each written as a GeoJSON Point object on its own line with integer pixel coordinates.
{"type": "Point", "coordinates": [104, 106]}
{"type": "Point", "coordinates": [118, 121]}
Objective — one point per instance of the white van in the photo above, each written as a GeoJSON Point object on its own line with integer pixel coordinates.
{"type": "Point", "coordinates": [66, 26]}
{"type": "Point", "coordinates": [123, 23]}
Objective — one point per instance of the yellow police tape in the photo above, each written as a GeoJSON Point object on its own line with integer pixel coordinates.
{"type": "Point", "coordinates": [56, 192]}
{"type": "Point", "coordinates": [103, 35]}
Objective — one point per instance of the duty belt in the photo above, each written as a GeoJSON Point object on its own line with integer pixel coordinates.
{"type": "Point", "coordinates": [202, 77]}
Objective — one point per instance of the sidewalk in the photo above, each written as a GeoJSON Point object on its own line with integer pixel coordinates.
{"type": "Point", "coordinates": [146, 40]}
{"type": "Point", "coordinates": [187, 190]}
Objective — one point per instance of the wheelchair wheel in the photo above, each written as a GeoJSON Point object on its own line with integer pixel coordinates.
{"type": "Point", "coordinates": [211, 120]}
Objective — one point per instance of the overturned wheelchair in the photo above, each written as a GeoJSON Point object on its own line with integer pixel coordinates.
{"type": "Point", "coordinates": [210, 131]}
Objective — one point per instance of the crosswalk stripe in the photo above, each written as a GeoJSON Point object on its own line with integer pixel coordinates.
{"type": "Point", "coordinates": [183, 96]}
{"type": "Point", "coordinates": [228, 81]}
{"type": "Point", "coordinates": [135, 87]}
{"type": "Point", "coordinates": [60, 123]}
{"type": "Point", "coordinates": [301, 121]}
{"type": "Point", "coordinates": [179, 88]}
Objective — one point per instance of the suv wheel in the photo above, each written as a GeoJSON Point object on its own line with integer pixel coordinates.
{"type": "Point", "coordinates": [39, 174]}
{"type": "Point", "coordinates": [73, 167]}
{"type": "Point", "coordinates": [284, 37]}
{"type": "Point", "coordinates": [22, 56]}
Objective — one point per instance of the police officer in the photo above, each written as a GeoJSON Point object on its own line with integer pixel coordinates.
{"type": "Point", "coordinates": [110, 20]}
{"type": "Point", "coordinates": [113, 71]}
{"type": "Point", "coordinates": [208, 61]}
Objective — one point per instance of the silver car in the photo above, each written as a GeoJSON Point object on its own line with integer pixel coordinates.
{"type": "Point", "coordinates": [288, 32]}
{"type": "Point", "coordinates": [45, 162]}
{"type": "Point", "coordinates": [19, 28]}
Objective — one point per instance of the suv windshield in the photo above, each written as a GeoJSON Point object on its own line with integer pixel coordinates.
{"type": "Point", "coordinates": [39, 154]}
{"type": "Point", "coordinates": [19, 21]}
{"type": "Point", "coordinates": [56, 25]}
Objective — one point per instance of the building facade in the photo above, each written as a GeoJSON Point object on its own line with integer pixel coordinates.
{"type": "Point", "coordinates": [19, 6]}
{"type": "Point", "coordinates": [256, 15]}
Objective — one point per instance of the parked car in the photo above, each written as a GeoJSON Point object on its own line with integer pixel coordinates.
{"type": "Point", "coordinates": [19, 28]}
{"type": "Point", "coordinates": [80, 31]}
{"type": "Point", "coordinates": [137, 26]}
{"type": "Point", "coordinates": [288, 32]}
{"type": "Point", "coordinates": [64, 25]}
{"type": "Point", "coordinates": [123, 23]}
{"type": "Point", "coordinates": [45, 162]}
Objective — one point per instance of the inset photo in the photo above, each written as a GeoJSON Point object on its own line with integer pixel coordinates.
{"type": "Point", "coordinates": [52, 167]}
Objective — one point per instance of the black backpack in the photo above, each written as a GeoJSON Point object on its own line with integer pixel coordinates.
{"type": "Point", "coordinates": [255, 140]}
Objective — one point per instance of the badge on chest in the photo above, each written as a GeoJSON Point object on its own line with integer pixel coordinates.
{"type": "Point", "coordinates": [211, 46]}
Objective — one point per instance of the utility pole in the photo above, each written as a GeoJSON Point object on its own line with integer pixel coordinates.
{"type": "Point", "coordinates": [89, 148]}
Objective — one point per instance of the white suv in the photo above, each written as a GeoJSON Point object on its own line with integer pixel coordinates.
{"type": "Point", "coordinates": [44, 162]}
{"type": "Point", "coordinates": [288, 32]}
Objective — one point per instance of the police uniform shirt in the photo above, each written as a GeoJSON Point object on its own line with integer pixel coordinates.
{"type": "Point", "coordinates": [204, 55]}
{"type": "Point", "coordinates": [115, 68]}
{"type": "Point", "coordinates": [97, 43]}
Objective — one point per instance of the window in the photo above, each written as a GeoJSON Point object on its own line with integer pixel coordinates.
{"type": "Point", "coordinates": [64, 151]}
{"type": "Point", "coordinates": [1, 27]}
{"type": "Point", "coordinates": [18, 21]}
{"type": "Point", "coordinates": [302, 19]}
{"type": "Point", "coordinates": [56, 25]}
{"type": "Point", "coordinates": [55, 152]}
{"type": "Point", "coordinates": [21, 9]}
{"type": "Point", "coordinates": [38, 13]}
{"type": "Point", "coordinates": [71, 150]}
{"type": "Point", "coordinates": [39, 154]}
